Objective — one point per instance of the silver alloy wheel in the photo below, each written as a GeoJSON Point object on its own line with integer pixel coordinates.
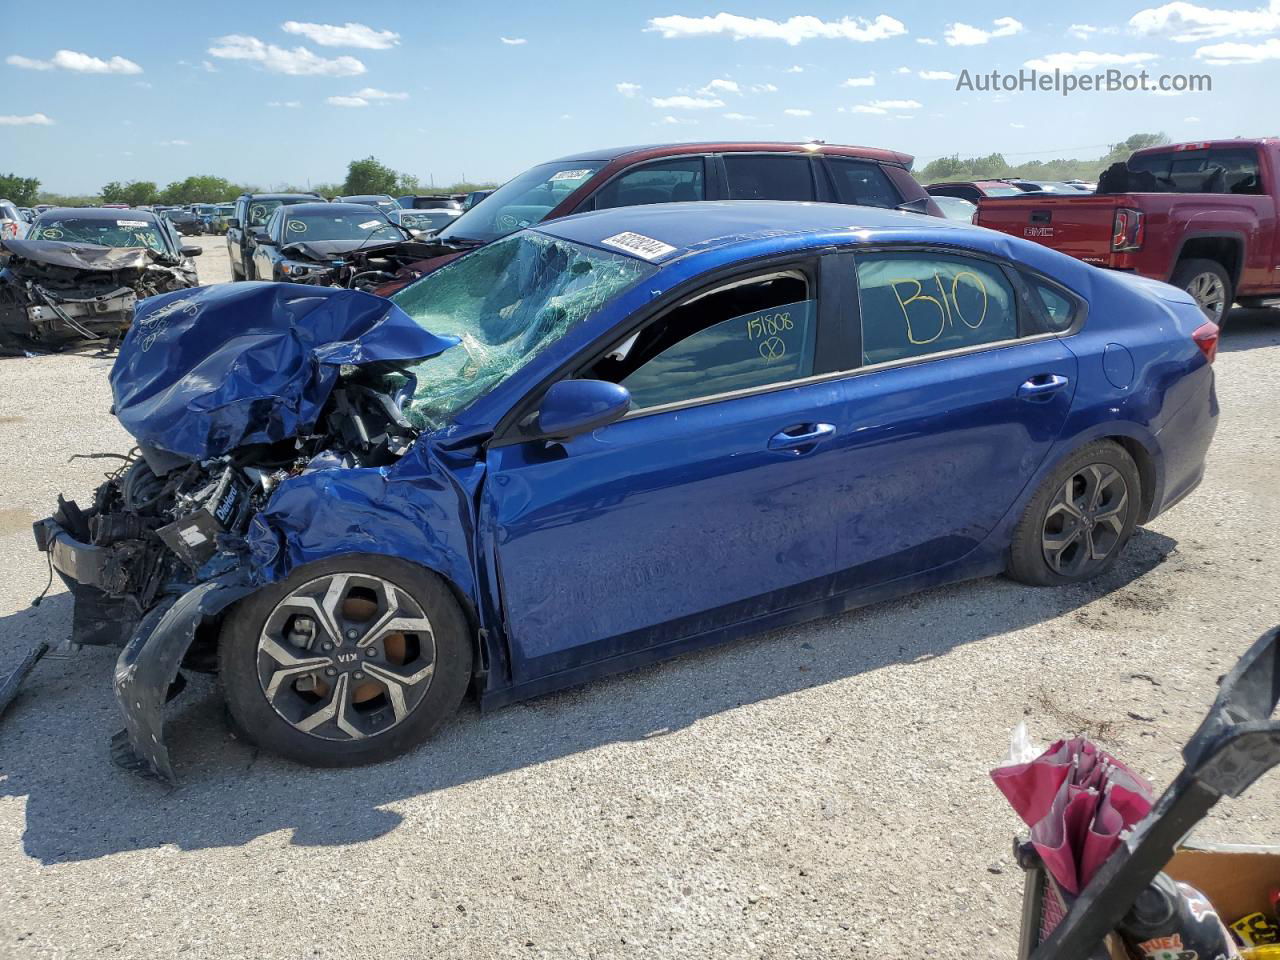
{"type": "Point", "coordinates": [346, 656]}
{"type": "Point", "coordinates": [1210, 292]}
{"type": "Point", "coordinates": [1085, 520]}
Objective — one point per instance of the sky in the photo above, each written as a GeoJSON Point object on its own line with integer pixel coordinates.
{"type": "Point", "coordinates": [274, 93]}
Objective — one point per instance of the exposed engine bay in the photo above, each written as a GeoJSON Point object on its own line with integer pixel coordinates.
{"type": "Point", "coordinates": [361, 268]}
{"type": "Point", "coordinates": [54, 293]}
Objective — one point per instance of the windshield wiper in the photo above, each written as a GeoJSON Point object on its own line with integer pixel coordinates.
{"type": "Point", "coordinates": [456, 241]}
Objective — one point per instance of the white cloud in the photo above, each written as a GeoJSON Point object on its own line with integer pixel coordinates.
{"type": "Point", "coordinates": [1190, 22]}
{"type": "Point", "coordinates": [291, 104]}
{"type": "Point", "coordinates": [963, 35]}
{"type": "Point", "coordinates": [936, 75]}
{"type": "Point", "coordinates": [75, 62]}
{"type": "Point", "coordinates": [927, 41]}
{"type": "Point", "coordinates": [347, 35]}
{"type": "Point", "coordinates": [674, 120]}
{"type": "Point", "coordinates": [795, 69]}
{"type": "Point", "coordinates": [1086, 60]}
{"type": "Point", "coordinates": [175, 143]}
{"type": "Point", "coordinates": [866, 108]}
{"type": "Point", "coordinates": [373, 93]}
{"type": "Point", "coordinates": [791, 31]}
{"type": "Point", "coordinates": [208, 67]}
{"type": "Point", "coordinates": [628, 89]}
{"type": "Point", "coordinates": [1018, 126]}
{"type": "Point", "coordinates": [1232, 54]}
{"type": "Point", "coordinates": [738, 116]}
{"type": "Point", "coordinates": [880, 107]}
{"type": "Point", "coordinates": [720, 86]}
{"type": "Point", "coordinates": [346, 101]}
{"type": "Point", "coordinates": [797, 112]}
{"type": "Point", "coordinates": [298, 62]}
{"type": "Point", "coordinates": [903, 70]}
{"type": "Point", "coordinates": [30, 120]}
{"type": "Point", "coordinates": [1081, 31]}
{"type": "Point", "coordinates": [868, 81]}
{"type": "Point", "coordinates": [1190, 119]}
{"type": "Point", "coordinates": [513, 41]}
{"type": "Point", "coordinates": [681, 102]}
{"type": "Point", "coordinates": [763, 88]}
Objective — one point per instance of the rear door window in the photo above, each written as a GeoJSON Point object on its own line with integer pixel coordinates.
{"type": "Point", "coordinates": [914, 304]}
{"type": "Point", "coordinates": [769, 176]}
{"type": "Point", "coordinates": [667, 181]}
{"type": "Point", "coordinates": [862, 182]}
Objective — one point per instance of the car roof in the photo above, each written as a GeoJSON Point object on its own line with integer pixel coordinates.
{"type": "Point", "coordinates": [100, 213]}
{"type": "Point", "coordinates": [648, 151]}
{"type": "Point", "coordinates": [322, 207]}
{"type": "Point", "coordinates": [739, 230]}
{"type": "Point", "coordinates": [279, 196]}
{"type": "Point", "coordinates": [362, 196]}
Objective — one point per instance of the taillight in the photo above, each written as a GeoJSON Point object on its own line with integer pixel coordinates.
{"type": "Point", "coordinates": [1206, 338]}
{"type": "Point", "coordinates": [1127, 230]}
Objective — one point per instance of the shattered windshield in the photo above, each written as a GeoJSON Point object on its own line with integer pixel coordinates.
{"type": "Point", "coordinates": [506, 302]}
{"type": "Point", "coordinates": [521, 202]}
{"type": "Point", "coordinates": [123, 232]}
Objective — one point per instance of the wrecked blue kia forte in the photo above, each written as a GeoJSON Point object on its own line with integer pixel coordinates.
{"type": "Point", "coordinates": [605, 440]}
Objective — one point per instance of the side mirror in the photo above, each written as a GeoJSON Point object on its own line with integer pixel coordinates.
{"type": "Point", "coordinates": [571, 407]}
{"type": "Point", "coordinates": [233, 223]}
{"type": "Point", "coordinates": [192, 251]}
{"type": "Point", "coordinates": [261, 237]}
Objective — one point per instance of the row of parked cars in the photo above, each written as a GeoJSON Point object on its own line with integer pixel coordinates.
{"type": "Point", "coordinates": [742, 386]}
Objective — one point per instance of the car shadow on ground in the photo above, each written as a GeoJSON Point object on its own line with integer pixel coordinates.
{"type": "Point", "coordinates": [53, 743]}
{"type": "Point", "coordinates": [1247, 329]}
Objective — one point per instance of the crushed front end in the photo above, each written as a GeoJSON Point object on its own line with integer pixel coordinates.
{"type": "Point", "coordinates": [228, 397]}
{"type": "Point", "coordinates": [54, 293]}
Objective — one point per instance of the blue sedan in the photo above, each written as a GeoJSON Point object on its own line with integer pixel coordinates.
{"type": "Point", "coordinates": [606, 440]}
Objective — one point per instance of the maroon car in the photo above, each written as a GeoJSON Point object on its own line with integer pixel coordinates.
{"type": "Point", "coordinates": [674, 172]}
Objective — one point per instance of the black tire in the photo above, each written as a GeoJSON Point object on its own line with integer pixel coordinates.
{"type": "Point", "coordinates": [1194, 275]}
{"type": "Point", "coordinates": [1047, 519]}
{"type": "Point", "coordinates": [244, 663]}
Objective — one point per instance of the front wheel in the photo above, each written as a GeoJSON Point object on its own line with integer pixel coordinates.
{"type": "Point", "coordinates": [1209, 283]}
{"type": "Point", "coordinates": [1079, 520]}
{"type": "Point", "coordinates": [347, 661]}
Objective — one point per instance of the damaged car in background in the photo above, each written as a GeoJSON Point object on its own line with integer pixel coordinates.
{"type": "Point", "coordinates": [602, 441]}
{"type": "Point", "coordinates": [79, 274]}
{"type": "Point", "coordinates": [350, 245]}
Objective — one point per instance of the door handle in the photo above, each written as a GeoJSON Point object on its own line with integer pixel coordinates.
{"type": "Point", "coordinates": [1042, 385]}
{"type": "Point", "coordinates": [802, 437]}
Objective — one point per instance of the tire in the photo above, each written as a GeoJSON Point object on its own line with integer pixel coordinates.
{"type": "Point", "coordinates": [1106, 519]}
{"type": "Point", "coordinates": [1210, 284]}
{"type": "Point", "coordinates": [342, 713]}
{"type": "Point", "coordinates": [249, 272]}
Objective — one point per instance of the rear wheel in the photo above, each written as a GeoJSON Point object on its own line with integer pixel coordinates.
{"type": "Point", "coordinates": [347, 661]}
{"type": "Point", "coordinates": [1209, 283]}
{"type": "Point", "coordinates": [1079, 520]}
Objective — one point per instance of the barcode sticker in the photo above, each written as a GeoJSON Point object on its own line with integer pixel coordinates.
{"type": "Point", "coordinates": [640, 245]}
{"type": "Point", "coordinates": [131, 223]}
{"type": "Point", "coordinates": [569, 175]}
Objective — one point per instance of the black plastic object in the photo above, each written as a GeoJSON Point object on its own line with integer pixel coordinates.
{"type": "Point", "coordinates": [1167, 909]}
{"type": "Point", "coordinates": [10, 685]}
{"type": "Point", "coordinates": [1237, 743]}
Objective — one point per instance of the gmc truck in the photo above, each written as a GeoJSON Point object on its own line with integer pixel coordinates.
{"type": "Point", "coordinates": [1201, 216]}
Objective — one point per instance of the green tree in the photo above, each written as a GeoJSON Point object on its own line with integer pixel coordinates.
{"type": "Point", "coordinates": [135, 193]}
{"type": "Point", "coordinates": [369, 176]}
{"type": "Point", "coordinates": [21, 190]}
{"type": "Point", "coordinates": [203, 188]}
{"type": "Point", "coordinates": [1121, 150]}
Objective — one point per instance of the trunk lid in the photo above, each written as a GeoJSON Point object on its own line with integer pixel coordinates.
{"type": "Point", "coordinates": [1081, 227]}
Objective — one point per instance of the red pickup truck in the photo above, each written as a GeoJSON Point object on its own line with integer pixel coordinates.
{"type": "Point", "coordinates": [1202, 216]}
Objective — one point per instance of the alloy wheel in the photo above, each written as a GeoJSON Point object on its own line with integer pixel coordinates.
{"type": "Point", "coordinates": [1085, 520]}
{"type": "Point", "coordinates": [1210, 292]}
{"type": "Point", "coordinates": [346, 656]}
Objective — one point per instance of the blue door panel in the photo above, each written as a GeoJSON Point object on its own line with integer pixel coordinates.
{"type": "Point", "coordinates": [659, 518]}
{"type": "Point", "coordinates": [931, 455]}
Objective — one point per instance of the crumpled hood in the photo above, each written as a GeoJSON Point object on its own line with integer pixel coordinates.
{"type": "Point", "coordinates": [205, 371]}
{"type": "Point", "coordinates": [330, 249]}
{"type": "Point", "coordinates": [80, 256]}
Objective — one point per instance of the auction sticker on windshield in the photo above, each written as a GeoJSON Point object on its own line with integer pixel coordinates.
{"type": "Point", "coordinates": [369, 224]}
{"type": "Point", "coordinates": [569, 175]}
{"type": "Point", "coordinates": [639, 244]}
{"type": "Point", "coordinates": [131, 223]}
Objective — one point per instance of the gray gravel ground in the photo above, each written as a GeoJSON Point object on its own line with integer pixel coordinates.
{"type": "Point", "coordinates": [815, 792]}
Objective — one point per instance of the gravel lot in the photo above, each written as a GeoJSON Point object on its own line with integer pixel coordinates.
{"type": "Point", "coordinates": [815, 792]}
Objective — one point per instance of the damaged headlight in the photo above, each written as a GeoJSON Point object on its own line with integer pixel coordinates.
{"type": "Point", "coordinates": [299, 268]}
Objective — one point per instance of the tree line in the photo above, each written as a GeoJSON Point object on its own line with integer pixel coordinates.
{"type": "Point", "coordinates": [995, 167]}
{"type": "Point", "coordinates": [368, 175]}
